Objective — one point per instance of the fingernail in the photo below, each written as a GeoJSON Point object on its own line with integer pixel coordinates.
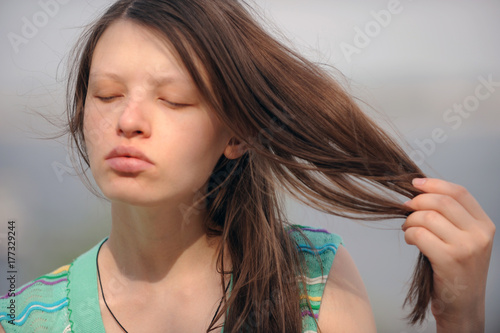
{"type": "Point", "coordinates": [419, 181]}
{"type": "Point", "coordinates": [406, 203]}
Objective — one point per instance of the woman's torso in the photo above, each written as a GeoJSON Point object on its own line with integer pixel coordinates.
{"type": "Point", "coordinates": [68, 299]}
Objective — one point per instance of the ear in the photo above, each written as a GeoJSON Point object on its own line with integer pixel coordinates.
{"type": "Point", "coordinates": [235, 149]}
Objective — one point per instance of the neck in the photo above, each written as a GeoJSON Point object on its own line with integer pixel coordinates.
{"type": "Point", "coordinates": [155, 243]}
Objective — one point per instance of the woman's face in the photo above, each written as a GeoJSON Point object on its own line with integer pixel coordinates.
{"type": "Point", "coordinates": [149, 136]}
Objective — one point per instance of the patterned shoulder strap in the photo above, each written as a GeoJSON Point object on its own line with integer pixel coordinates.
{"type": "Point", "coordinates": [47, 295]}
{"type": "Point", "coordinates": [319, 260]}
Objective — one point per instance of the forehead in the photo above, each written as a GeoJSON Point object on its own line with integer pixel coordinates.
{"type": "Point", "coordinates": [127, 49]}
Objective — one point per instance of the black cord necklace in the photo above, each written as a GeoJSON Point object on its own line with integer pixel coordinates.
{"type": "Point", "coordinates": [107, 306]}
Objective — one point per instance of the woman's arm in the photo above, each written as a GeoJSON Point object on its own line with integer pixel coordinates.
{"type": "Point", "coordinates": [456, 235]}
{"type": "Point", "coordinates": [345, 306]}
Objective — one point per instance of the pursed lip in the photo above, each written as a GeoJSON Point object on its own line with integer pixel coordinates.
{"type": "Point", "coordinates": [128, 160]}
{"type": "Point", "coordinates": [131, 152]}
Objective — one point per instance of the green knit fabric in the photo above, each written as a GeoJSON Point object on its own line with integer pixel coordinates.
{"type": "Point", "coordinates": [39, 306]}
{"type": "Point", "coordinates": [67, 300]}
{"type": "Point", "coordinates": [70, 305]}
{"type": "Point", "coordinates": [83, 295]}
{"type": "Point", "coordinates": [319, 260]}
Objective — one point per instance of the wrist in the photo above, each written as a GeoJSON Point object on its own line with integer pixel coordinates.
{"type": "Point", "coordinates": [464, 327]}
{"type": "Point", "coordinates": [468, 316]}
{"type": "Point", "coordinates": [465, 323]}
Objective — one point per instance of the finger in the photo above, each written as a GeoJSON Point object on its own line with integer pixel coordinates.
{"type": "Point", "coordinates": [428, 243]}
{"type": "Point", "coordinates": [458, 192]}
{"type": "Point", "coordinates": [435, 223]}
{"type": "Point", "coordinates": [446, 206]}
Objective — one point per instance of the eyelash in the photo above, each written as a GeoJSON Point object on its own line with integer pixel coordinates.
{"type": "Point", "coordinates": [174, 105]}
{"type": "Point", "coordinates": [106, 99]}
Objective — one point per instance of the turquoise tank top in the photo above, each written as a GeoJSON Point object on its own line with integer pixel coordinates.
{"type": "Point", "coordinates": [67, 300]}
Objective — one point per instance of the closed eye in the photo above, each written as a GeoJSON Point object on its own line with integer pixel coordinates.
{"type": "Point", "coordinates": [175, 105]}
{"type": "Point", "coordinates": [106, 98]}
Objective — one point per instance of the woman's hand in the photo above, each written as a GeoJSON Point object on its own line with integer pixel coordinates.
{"type": "Point", "coordinates": [452, 230]}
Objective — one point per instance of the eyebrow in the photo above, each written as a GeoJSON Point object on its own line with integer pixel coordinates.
{"type": "Point", "coordinates": [160, 80]}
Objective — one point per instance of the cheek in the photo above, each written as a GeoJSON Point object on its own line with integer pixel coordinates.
{"type": "Point", "coordinates": [198, 147]}
{"type": "Point", "coordinates": [95, 127]}
{"type": "Point", "coordinates": [204, 143]}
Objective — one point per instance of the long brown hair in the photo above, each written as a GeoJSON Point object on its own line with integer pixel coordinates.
{"type": "Point", "coordinates": [305, 134]}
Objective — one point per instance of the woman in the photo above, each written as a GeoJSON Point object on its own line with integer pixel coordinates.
{"type": "Point", "coordinates": [191, 118]}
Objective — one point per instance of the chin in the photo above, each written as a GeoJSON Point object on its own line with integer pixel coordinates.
{"type": "Point", "coordinates": [131, 194]}
{"type": "Point", "coordinates": [132, 197]}
{"type": "Point", "coordinates": [146, 192]}
{"type": "Point", "coordinates": [139, 197]}
{"type": "Point", "coordinates": [133, 200]}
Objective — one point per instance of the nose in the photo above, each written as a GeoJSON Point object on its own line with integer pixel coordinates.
{"type": "Point", "coordinates": [133, 121]}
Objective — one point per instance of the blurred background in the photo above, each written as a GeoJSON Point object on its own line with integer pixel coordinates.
{"type": "Point", "coordinates": [423, 66]}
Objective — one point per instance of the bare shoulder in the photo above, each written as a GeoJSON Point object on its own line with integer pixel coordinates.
{"type": "Point", "coordinates": [345, 306]}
